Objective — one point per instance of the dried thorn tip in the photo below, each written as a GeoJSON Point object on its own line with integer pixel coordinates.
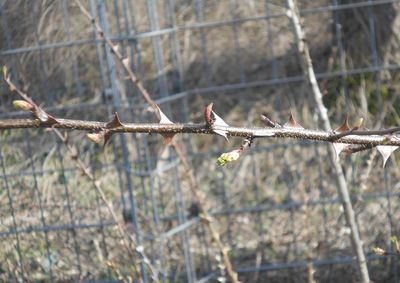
{"type": "Point", "coordinates": [386, 151]}
{"type": "Point", "coordinates": [292, 123]}
{"type": "Point", "coordinates": [345, 126]}
{"type": "Point", "coordinates": [163, 118]}
{"type": "Point", "coordinates": [212, 120]}
{"type": "Point", "coordinates": [339, 147]}
{"type": "Point", "coordinates": [115, 122]}
{"type": "Point", "coordinates": [208, 115]}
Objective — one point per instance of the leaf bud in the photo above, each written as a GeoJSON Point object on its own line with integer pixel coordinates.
{"type": "Point", "coordinates": [95, 137]}
{"type": "Point", "coordinates": [22, 105]}
{"type": "Point", "coordinates": [227, 157]}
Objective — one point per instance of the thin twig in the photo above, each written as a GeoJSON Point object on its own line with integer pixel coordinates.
{"type": "Point", "coordinates": [232, 275]}
{"type": "Point", "coordinates": [358, 148]}
{"type": "Point", "coordinates": [205, 216]}
{"type": "Point", "coordinates": [293, 13]}
{"type": "Point", "coordinates": [338, 136]}
{"type": "Point", "coordinates": [124, 61]}
{"type": "Point", "coordinates": [51, 122]}
{"type": "Point", "coordinates": [123, 233]}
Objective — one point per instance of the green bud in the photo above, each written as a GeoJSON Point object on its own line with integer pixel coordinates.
{"type": "Point", "coordinates": [5, 70]}
{"type": "Point", "coordinates": [227, 157]}
{"type": "Point", "coordinates": [360, 122]}
{"type": "Point", "coordinates": [22, 105]}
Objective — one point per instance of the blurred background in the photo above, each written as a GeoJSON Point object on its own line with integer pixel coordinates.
{"type": "Point", "coordinates": [276, 208]}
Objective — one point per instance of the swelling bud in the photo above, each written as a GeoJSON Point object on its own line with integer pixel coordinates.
{"type": "Point", "coordinates": [22, 105]}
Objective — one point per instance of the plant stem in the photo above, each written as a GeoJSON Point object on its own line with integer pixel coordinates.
{"type": "Point", "coordinates": [366, 138]}
{"type": "Point", "coordinates": [343, 192]}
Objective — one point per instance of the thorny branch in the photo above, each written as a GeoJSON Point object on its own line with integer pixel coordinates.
{"type": "Point", "coordinates": [364, 137]}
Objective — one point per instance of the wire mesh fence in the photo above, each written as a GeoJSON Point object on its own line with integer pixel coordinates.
{"type": "Point", "coordinates": [276, 209]}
